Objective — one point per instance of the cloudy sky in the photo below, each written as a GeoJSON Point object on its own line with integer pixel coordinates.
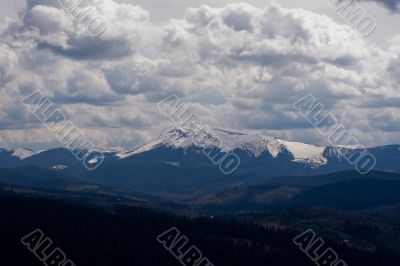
{"type": "Point", "coordinates": [239, 65]}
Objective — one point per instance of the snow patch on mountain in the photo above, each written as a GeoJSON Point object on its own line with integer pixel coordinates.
{"type": "Point", "coordinates": [24, 153]}
{"type": "Point", "coordinates": [253, 144]}
{"type": "Point", "coordinates": [60, 167]}
{"type": "Point", "coordinates": [173, 139]}
{"type": "Point", "coordinates": [176, 164]}
{"type": "Point", "coordinates": [306, 153]}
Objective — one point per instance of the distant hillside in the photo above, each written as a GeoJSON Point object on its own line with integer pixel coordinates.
{"type": "Point", "coordinates": [128, 237]}
{"type": "Point", "coordinates": [43, 182]}
{"type": "Point", "coordinates": [352, 194]}
{"type": "Point", "coordinates": [37, 176]}
{"type": "Point", "coordinates": [343, 190]}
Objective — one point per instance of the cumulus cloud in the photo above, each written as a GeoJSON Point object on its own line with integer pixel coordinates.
{"type": "Point", "coordinates": [237, 66]}
{"type": "Point", "coordinates": [8, 61]}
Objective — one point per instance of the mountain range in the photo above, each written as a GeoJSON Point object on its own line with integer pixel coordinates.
{"type": "Point", "coordinates": [175, 162]}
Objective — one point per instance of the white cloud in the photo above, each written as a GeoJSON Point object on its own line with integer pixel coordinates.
{"type": "Point", "coordinates": [8, 61]}
{"type": "Point", "coordinates": [238, 66]}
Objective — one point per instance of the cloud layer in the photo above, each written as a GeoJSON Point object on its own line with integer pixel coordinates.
{"type": "Point", "coordinates": [393, 5]}
{"type": "Point", "coordinates": [238, 67]}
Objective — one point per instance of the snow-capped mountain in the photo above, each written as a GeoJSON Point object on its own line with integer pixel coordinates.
{"type": "Point", "coordinates": [228, 141]}
{"type": "Point", "coordinates": [175, 160]}
{"type": "Point", "coordinates": [253, 146]}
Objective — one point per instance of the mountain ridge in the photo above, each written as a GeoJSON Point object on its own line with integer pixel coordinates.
{"type": "Point", "coordinates": [224, 140]}
{"type": "Point", "coordinates": [176, 161]}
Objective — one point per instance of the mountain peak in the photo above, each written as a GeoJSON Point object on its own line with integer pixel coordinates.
{"type": "Point", "coordinates": [196, 136]}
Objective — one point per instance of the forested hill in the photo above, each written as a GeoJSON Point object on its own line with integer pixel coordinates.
{"type": "Point", "coordinates": [127, 236]}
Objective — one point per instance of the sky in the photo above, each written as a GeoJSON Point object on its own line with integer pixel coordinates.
{"type": "Point", "coordinates": [238, 65]}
